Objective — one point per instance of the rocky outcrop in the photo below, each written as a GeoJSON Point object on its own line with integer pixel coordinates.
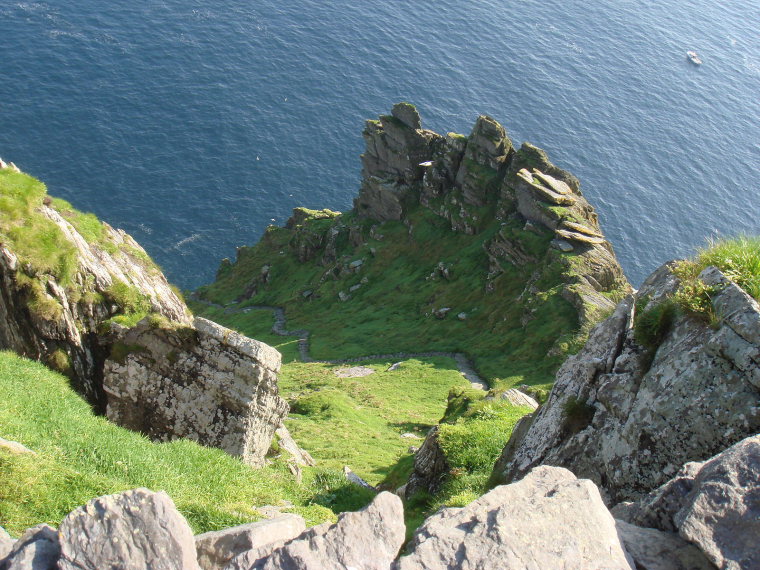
{"type": "Point", "coordinates": [239, 547]}
{"type": "Point", "coordinates": [550, 519]}
{"type": "Point", "coordinates": [714, 505]}
{"type": "Point", "coordinates": [58, 323]}
{"type": "Point", "coordinates": [366, 540]}
{"type": "Point", "coordinates": [628, 416]}
{"type": "Point", "coordinates": [204, 382]}
{"type": "Point", "coordinates": [653, 549]}
{"type": "Point", "coordinates": [430, 467]}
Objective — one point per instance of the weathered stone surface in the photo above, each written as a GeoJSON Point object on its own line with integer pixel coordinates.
{"type": "Point", "coordinates": [6, 544]}
{"type": "Point", "coordinates": [131, 530]}
{"type": "Point", "coordinates": [628, 419]}
{"type": "Point", "coordinates": [578, 236]}
{"type": "Point", "coordinates": [430, 466]}
{"type": "Point", "coordinates": [407, 114]}
{"type": "Point", "coordinates": [580, 228]}
{"type": "Point", "coordinates": [217, 549]}
{"type": "Point", "coordinates": [36, 549]}
{"type": "Point", "coordinates": [550, 519]}
{"type": "Point", "coordinates": [365, 540]}
{"type": "Point", "coordinates": [70, 331]}
{"type": "Point", "coordinates": [657, 550]}
{"type": "Point", "coordinates": [205, 383]}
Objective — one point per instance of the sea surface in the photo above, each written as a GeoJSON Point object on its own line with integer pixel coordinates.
{"type": "Point", "coordinates": [193, 125]}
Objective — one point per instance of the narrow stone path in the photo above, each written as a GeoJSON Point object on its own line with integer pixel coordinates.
{"type": "Point", "coordinates": [464, 365]}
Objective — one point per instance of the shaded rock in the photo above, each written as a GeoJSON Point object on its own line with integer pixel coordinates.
{"type": "Point", "coordinates": [37, 549]}
{"type": "Point", "coordinates": [550, 519]}
{"type": "Point", "coordinates": [430, 466]}
{"type": "Point", "coordinates": [653, 549]}
{"type": "Point", "coordinates": [407, 114]}
{"type": "Point", "coordinates": [205, 383]}
{"type": "Point", "coordinates": [134, 529]}
{"type": "Point", "coordinates": [365, 540]}
{"type": "Point", "coordinates": [562, 245]}
{"type": "Point", "coordinates": [234, 545]}
{"type": "Point", "coordinates": [629, 418]}
{"type": "Point", "coordinates": [355, 479]}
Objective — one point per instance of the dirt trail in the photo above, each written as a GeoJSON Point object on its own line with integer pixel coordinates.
{"type": "Point", "coordinates": [279, 328]}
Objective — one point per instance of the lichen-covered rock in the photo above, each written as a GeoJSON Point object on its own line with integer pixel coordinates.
{"type": "Point", "coordinates": [202, 382]}
{"type": "Point", "coordinates": [37, 549]}
{"type": "Point", "coordinates": [628, 418]}
{"type": "Point", "coordinates": [240, 543]}
{"type": "Point", "coordinates": [550, 519]}
{"type": "Point", "coordinates": [365, 540]}
{"type": "Point", "coordinates": [714, 505]}
{"type": "Point", "coordinates": [132, 530]}
{"type": "Point", "coordinates": [56, 316]}
{"type": "Point", "coordinates": [653, 549]}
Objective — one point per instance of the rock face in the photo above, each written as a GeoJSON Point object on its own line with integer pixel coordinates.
{"type": "Point", "coordinates": [628, 417]}
{"type": "Point", "coordinates": [168, 377]}
{"type": "Point", "coordinates": [714, 505]}
{"type": "Point", "coordinates": [130, 530]}
{"type": "Point", "coordinates": [37, 549]}
{"type": "Point", "coordinates": [430, 466]}
{"type": "Point", "coordinates": [366, 540]}
{"type": "Point", "coordinates": [58, 323]}
{"type": "Point", "coordinates": [550, 519]}
{"type": "Point", "coordinates": [463, 179]}
{"type": "Point", "coordinates": [656, 550]}
{"type": "Point", "coordinates": [204, 382]}
{"type": "Point", "coordinates": [240, 546]}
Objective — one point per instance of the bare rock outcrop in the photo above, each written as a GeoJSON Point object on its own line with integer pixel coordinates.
{"type": "Point", "coordinates": [365, 540]}
{"type": "Point", "coordinates": [38, 548]}
{"type": "Point", "coordinates": [714, 505]}
{"type": "Point", "coordinates": [627, 416]}
{"type": "Point", "coordinates": [239, 547]}
{"type": "Point", "coordinates": [653, 549]}
{"type": "Point", "coordinates": [550, 519]}
{"type": "Point", "coordinates": [202, 382]}
{"type": "Point", "coordinates": [430, 466]}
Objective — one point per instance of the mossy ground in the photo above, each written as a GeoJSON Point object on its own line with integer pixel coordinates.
{"type": "Point", "coordinates": [392, 310]}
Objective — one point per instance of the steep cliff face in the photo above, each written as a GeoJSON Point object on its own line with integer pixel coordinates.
{"type": "Point", "coordinates": [72, 291]}
{"type": "Point", "coordinates": [459, 243]}
{"type": "Point", "coordinates": [628, 415]}
{"type": "Point", "coordinates": [59, 287]}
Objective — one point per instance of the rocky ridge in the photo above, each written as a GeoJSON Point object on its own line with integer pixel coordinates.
{"type": "Point", "coordinates": [168, 376]}
{"type": "Point", "coordinates": [628, 416]}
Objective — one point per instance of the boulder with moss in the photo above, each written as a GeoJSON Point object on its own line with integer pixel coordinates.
{"type": "Point", "coordinates": [202, 382]}
{"type": "Point", "coordinates": [656, 386]}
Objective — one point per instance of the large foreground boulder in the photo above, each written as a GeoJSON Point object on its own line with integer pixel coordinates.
{"type": "Point", "coordinates": [627, 415]}
{"type": "Point", "coordinates": [136, 529]}
{"type": "Point", "coordinates": [714, 505]}
{"type": "Point", "coordinates": [202, 382]}
{"type": "Point", "coordinates": [364, 540]}
{"type": "Point", "coordinates": [37, 549]}
{"type": "Point", "coordinates": [550, 519]}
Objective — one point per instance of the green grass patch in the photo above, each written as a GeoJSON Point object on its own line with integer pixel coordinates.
{"type": "Point", "coordinates": [81, 456]}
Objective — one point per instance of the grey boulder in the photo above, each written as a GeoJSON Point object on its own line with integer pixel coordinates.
{"type": "Point", "coordinates": [135, 529]}
{"type": "Point", "coordinates": [238, 544]}
{"type": "Point", "coordinates": [364, 540]}
{"type": "Point", "coordinates": [653, 549]}
{"type": "Point", "coordinates": [549, 519]}
{"type": "Point", "coordinates": [37, 549]}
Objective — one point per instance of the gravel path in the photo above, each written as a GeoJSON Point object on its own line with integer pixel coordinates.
{"type": "Point", "coordinates": [279, 328]}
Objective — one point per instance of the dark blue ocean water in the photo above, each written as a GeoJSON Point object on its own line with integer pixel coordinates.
{"type": "Point", "coordinates": [193, 125]}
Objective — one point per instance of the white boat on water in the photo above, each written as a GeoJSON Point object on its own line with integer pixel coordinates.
{"type": "Point", "coordinates": [693, 57]}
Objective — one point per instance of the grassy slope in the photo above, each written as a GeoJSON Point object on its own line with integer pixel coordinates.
{"type": "Point", "coordinates": [392, 311]}
{"type": "Point", "coordinates": [80, 456]}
